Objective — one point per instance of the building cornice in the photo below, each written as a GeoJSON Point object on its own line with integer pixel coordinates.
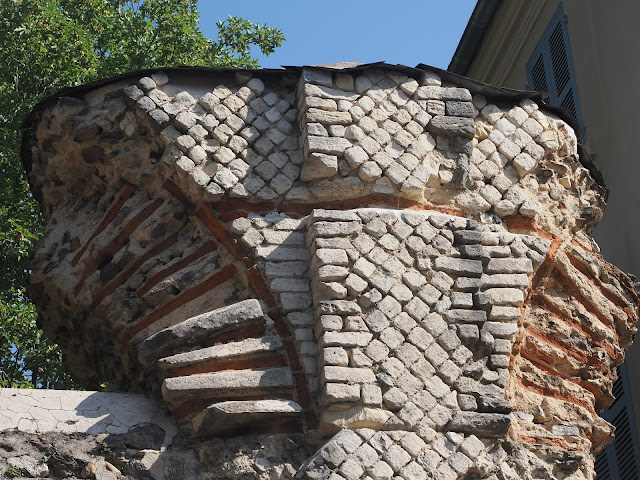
{"type": "Point", "coordinates": [511, 27]}
{"type": "Point", "coordinates": [473, 36]}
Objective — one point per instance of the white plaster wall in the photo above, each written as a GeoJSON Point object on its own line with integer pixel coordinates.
{"type": "Point", "coordinates": [40, 411]}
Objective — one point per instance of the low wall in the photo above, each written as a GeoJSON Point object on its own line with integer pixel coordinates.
{"type": "Point", "coordinates": [109, 436]}
{"type": "Point", "coordinates": [41, 411]}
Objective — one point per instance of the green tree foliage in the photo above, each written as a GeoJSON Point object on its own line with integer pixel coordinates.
{"type": "Point", "coordinates": [49, 44]}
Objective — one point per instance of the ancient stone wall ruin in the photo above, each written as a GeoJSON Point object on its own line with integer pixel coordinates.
{"type": "Point", "coordinates": [394, 262]}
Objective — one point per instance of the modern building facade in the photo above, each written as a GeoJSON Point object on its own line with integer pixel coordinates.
{"type": "Point", "coordinates": [584, 53]}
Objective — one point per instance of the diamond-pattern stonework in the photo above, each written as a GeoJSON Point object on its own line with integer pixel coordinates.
{"type": "Point", "coordinates": [424, 346]}
{"type": "Point", "coordinates": [400, 454]}
{"type": "Point", "coordinates": [412, 337]}
{"type": "Point", "coordinates": [245, 139]}
{"type": "Point", "coordinates": [387, 134]}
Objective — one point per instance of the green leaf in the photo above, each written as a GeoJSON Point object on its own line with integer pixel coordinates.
{"type": "Point", "coordinates": [46, 45]}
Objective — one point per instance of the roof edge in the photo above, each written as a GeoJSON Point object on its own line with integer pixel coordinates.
{"type": "Point", "coordinates": [473, 35]}
{"type": "Point", "coordinates": [474, 86]}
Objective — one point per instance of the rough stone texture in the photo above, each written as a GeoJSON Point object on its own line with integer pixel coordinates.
{"type": "Point", "coordinates": [385, 258]}
{"type": "Point", "coordinates": [59, 455]}
{"type": "Point", "coordinates": [57, 434]}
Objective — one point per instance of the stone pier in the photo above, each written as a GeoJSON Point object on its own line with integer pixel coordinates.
{"type": "Point", "coordinates": [336, 272]}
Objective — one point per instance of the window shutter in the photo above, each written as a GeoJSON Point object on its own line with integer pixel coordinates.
{"type": "Point", "coordinates": [601, 466]}
{"type": "Point", "coordinates": [621, 459]}
{"type": "Point", "coordinates": [550, 68]}
{"type": "Point", "coordinates": [559, 60]}
{"type": "Point", "coordinates": [538, 76]}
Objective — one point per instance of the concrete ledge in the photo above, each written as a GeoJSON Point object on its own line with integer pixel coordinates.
{"type": "Point", "coordinates": [68, 411]}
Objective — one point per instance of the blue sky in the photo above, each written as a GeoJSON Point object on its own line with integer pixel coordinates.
{"type": "Point", "coordinates": [328, 31]}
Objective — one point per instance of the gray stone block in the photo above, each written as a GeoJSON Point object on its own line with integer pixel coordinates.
{"type": "Point", "coordinates": [470, 316]}
{"type": "Point", "coordinates": [466, 284]}
{"type": "Point", "coordinates": [295, 301]}
{"type": "Point", "coordinates": [475, 237]}
{"type": "Point", "coordinates": [499, 296]}
{"type": "Point", "coordinates": [333, 229]}
{"type": "Point", "coordinates": [328, 145]}
{"type": "Point", "coordinates": [239, 314]}
{"type": "Point", "coordinates": [500, 329]}
{"type": "Point", "coordinates": [335, 374]}
{"type": "Point", "coordinates": [520, 280]}
{"type": "Point", "coordinates": [510, 265]}
{"type": "Point", "coordinates": [249, 348]}
{"type": "Point", "coordinates": [319, 166]}
{"type": "Point", "coordinates": [493, 405]}
{"type": "Point", "coordinates": [445, 125]}
{"type": "Point", "coordinates": [443, 93]}
{"type": "Point", "coordinates": [459, 109]}
{"type": "Point", "coordinates": [504, 313]}
{"type": "Point", "coordinates": [339, 307]}
{"type": "Point", "coordinates": [224, 417]}
{"type": "Point", "coordinates": [226, 384]}
{"type": "Point", "coordinates": [483, 424]}
{"type": "Point", "coordinates": [459, 266]}
{"type": "Point", "coordinates": [485, 252]}
{"type": "Point", "coordinates": [346, 339]}
{"type": "Point", "coordinates": [469, 334]}
{"type": "Point", "coordinates": [315, 115]}
{"type": "Point", "coordinates": [320, 214]}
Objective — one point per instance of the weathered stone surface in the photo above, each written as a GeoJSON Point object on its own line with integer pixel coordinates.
{"type": "Point", "coordinates": [240, 314]}
{"type": "Point", "coordinates": [328, 145]}
{"type": "Point", "coordinates": [69, 411]}
{"type": "Point", "coordinates": [484, 424]}
{"type": "Point", "coordinates": [318, 166]}
{"type": "Point", "coordinates": [145, 436]}
{"type": "Point", "coordinates": [249, 348]}
{"type": "Point", "coordinates": [460, 109]}
{"type": "Point", "coordinates": [474, 237]}
{"type": "Point", "coordinates": [102, 452]}
{"type": "Point", "coordinates": [443, 93]}
{"type": "Point", "coordinates": [279, 253]}
{"type": "Point", "coordinates": [445, 125]}
{"type": "Point", "coordinates": [226, 417]}
{"type": "Point", "coordinates": [346, 339]}
{"type": "Point", "coordinates": [339, 306]}
{"type": "Point", "coordinates": [459, 266]}
{"type": "Point", "coordinates": [509, 265]}
{"type": "Point", "coordinates": [226, 383]}
{"type": "Point", "coordinates": [331, 118]}
{"type": "Point", "coordinates": [347, 375]}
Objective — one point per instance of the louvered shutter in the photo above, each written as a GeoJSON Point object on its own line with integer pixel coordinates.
{"type": "Point", "coordinates": [621, 459]}
{"type": "Point", "coordinates": [550, 68]}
